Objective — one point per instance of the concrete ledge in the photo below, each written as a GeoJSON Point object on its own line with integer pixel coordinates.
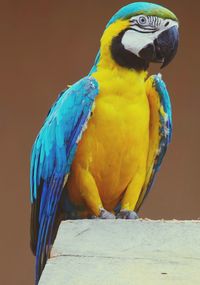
{"type": "Point", "coordinates": [122, 252]}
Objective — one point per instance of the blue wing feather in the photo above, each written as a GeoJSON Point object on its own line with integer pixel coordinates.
{"type": "Point", "coordinates": [165, 127]}
{"type": "Point", "coordinates": [165, 133]}
{"type": "Point", "coordinates": [52, 155]}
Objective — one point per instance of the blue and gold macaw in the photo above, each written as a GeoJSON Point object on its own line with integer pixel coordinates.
{"type": "Point", "coordinates": [104, 139]}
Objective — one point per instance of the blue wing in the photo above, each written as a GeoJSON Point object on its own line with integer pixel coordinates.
{"type": "Point", "coordinates": [52, 155]}
{"type": "Point", "coordinates": [160, 130]}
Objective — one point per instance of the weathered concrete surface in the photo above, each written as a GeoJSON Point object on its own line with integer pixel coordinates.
{"type": "Point", "coordinates": [121, 252]}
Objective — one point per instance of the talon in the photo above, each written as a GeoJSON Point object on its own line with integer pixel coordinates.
{"type": "Point", "coordinates": [127, 215]}
{"type": "Point", "coordinates": [94, 218]}
{"type": "Point", "coordinates": [105, 215]}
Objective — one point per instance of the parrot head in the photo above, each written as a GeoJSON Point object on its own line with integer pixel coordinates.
{"type": "Point", "coordinates": [140, 33]}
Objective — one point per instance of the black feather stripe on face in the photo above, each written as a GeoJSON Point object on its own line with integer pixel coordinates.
{"type": "Point", "coordinates": [124, 57]}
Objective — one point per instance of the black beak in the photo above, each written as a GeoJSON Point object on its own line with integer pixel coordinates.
{"type": "Point", "coordinates": [164, 48]}
{"type": "Point", "coordinates": [166, 45]}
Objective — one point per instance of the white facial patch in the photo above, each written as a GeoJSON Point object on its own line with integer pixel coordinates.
{"type": "Point", "coordinates": [143, 31]}
{"type": "Point", "coordinates": [135, 42]}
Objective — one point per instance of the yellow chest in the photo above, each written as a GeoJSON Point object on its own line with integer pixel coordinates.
{"type": "Point", "coordinates": [115, 143]}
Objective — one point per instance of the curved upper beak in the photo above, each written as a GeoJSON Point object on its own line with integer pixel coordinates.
{"type": "Point", "coordinates": [166, 45]}
{"type": "Point", "coordinates": [164, 48]}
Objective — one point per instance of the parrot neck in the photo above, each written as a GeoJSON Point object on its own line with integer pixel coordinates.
{"type": "Point", "coordinates": [107, 65]}
{"type": "Point", "coordinates": [115, 70]}
{"type": "Point", "coordinates": [122, 82]}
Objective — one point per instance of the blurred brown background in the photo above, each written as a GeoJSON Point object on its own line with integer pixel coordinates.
{"type": "Point", "coordinates": [46, 45]}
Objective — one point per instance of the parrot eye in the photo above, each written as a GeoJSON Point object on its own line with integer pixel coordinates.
{"type": "Point", "coordinates": [146, 22]}
{"type": "Point", "coordinates": [142, 20]}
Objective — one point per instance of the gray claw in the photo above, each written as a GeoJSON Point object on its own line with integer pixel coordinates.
{"type": "Point", "coordinates": [105, 215]}
{"type": "Point", "coordinates": [127, 215]}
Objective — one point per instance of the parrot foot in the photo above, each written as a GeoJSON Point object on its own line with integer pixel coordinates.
{"type": "Point", "coordinates": [127, 215]}
{"type": "Point", "coordinates": [105, 215]}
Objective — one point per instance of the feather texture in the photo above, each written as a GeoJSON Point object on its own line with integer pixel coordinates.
{"type": "Point", "coordinates": [52, 156]}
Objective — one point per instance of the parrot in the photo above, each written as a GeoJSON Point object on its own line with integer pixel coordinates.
{"type": "Point", "coordinates": [105, 137]}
